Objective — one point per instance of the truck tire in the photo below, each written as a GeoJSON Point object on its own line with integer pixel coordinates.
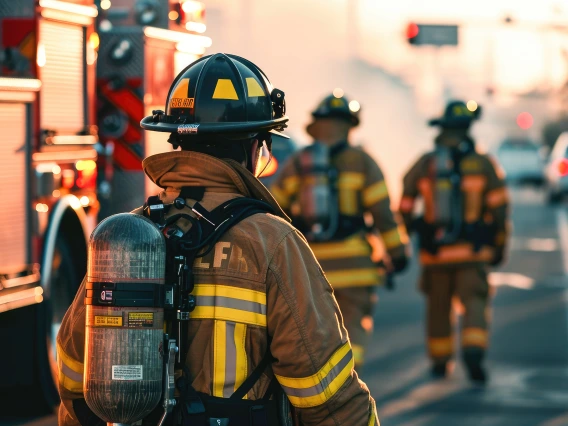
{"type": "Point", "coordinates": [33, 331]}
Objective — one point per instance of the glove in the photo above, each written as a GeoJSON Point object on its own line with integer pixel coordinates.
{"type": "Point", "coordinates": [498, 256]}
{"type": "Point", "coordinates": [399, 264]}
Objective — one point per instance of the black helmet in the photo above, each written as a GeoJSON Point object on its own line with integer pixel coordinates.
{"type": "Point", "coordinates": [220, 94]}
{"type": "Point", "coordinates": [457, 116]}
{"type": "Point", "coordinates": [338, 107]}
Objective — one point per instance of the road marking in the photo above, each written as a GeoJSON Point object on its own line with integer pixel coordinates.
{"type": "Point", "coordinates": [562, 225]}
{"type": "Point", "coordinates": [511, 279]}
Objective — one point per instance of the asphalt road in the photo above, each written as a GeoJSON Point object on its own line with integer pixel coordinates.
{"type": "Point", "coordinates": [528, 357]}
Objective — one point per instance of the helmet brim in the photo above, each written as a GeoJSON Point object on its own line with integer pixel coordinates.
{"type": "Point", "coordinates": [149, 123]}
{"type": "Point", "coordinates": [452, 123]}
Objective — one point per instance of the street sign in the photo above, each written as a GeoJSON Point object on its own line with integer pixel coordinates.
{"type": "Point", "coordinates": [433, 35]}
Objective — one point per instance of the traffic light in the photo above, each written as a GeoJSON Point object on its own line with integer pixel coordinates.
{"type": "Point", "coordinates": [433, 35]}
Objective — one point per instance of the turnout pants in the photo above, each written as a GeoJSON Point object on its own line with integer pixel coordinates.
{"type": "Point", "coordinates": [467, 289]}
{"type": "Point", "coordinates": [356, 305]}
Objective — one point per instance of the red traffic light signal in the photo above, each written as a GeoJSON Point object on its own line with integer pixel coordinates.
{"type": "Point", "coordinates": [525, 120]}
{"type": "Point", "coordinates": [412, 31]}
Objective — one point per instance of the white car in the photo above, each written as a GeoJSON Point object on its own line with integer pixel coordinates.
{"type": "Point", "coordinates": [557, 169]}
{"type": "Point", "coordinates": [522, 161]}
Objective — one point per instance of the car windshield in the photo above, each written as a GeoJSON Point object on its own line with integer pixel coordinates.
{"type": "Point", "coordinates": [519, 145]}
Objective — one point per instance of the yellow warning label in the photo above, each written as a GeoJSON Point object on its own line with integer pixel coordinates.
{"type": "Point", "coordinates": [140, 319]}
{"type": "Point", "coordinates": [108, 321]}
{"type": "Point", "coordinates": [182, 102]}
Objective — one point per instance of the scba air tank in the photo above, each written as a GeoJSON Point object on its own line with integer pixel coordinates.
{"type": "Point", "coordinates": [124, 318]}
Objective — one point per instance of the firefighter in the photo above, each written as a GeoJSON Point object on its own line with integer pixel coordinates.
{"type": "Point", "coordinates": [328, 188]}
{"type": "Point", "coordinates": [463, 230]}
{"type": "Point", "coordinates": [269, 292]}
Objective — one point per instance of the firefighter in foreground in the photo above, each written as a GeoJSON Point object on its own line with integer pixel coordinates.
{"type": "Point", "coordinates": [463, 230]}
{"type": "Point", "coordinates": [327, 189]}
{"type": "Point", "coordinates": [260, 295]}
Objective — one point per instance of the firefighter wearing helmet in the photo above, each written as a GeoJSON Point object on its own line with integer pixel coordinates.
{"type": "Point", "coordinates": [260, 328]}
{"type": "Point", "coordinates": [462, 231]}
{"type": "Point", "coordinates": [328, 188]}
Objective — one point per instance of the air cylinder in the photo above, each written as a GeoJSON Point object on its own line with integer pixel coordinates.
{"type": "Point", "coordinates": [124, 318]}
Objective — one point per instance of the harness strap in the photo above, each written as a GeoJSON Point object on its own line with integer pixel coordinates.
{"type": "Point", "coordinates": [251, 380]}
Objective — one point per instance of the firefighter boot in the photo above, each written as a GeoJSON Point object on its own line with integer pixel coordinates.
{"type": "Point", "coordinates": [439, 369]}
{"type": "Point", "coordinates": [473, 358]}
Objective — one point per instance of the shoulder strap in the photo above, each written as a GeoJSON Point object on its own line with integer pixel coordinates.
{"type": "Point", "coordinates": [251, 380]}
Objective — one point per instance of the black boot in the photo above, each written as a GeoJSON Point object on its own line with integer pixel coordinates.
{"type": "Point", "coordinates": [473, 358]}
{"type": "Point", "coordinates": [439, 369]}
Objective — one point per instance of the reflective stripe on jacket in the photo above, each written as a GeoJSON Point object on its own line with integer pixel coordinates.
{"type": "Point", "coordinates": [361, 189]}
{"type": "Point", "coordinates": [260, 280]}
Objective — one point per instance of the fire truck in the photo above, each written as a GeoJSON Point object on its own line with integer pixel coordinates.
{"type": "Point", "coordinates": [70, 151]}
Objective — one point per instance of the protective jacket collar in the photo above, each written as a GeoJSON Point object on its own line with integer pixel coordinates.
{"type": "Point", "coordinates": [174, 170]}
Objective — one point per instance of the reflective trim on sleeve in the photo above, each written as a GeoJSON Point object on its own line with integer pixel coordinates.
{"type": "Point", "coordinates": [351, 247]}
{"type": "Point", "coordinates": [222, 302]}
{"type": "Point", "coordinates": [440, 347]}
{"type": "Point", "coordinates": [70, 371]}
{"type": "Point", "coordinates": [496, 198]}
{"type": "Point", "coordinates": [351, 180]}
{"type": "Point", "coordinates": [394, 238]}
{"type": "Point", "coordinates": [319, 388]}
{"type": "Point", "coordinates": [358, 355]}
{"type": "Point", "coordinates": [472, 336]}
{"type": "Point", "coordinates": [354, 277]}
{"type": "Point", "coordinates": [407, 204]}
{"type": "Point", "coordinates": [374, 418]}
{"type": "Point", "coordinates": [375, 193]}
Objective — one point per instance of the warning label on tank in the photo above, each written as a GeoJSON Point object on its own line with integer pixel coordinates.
{"type": "Point", "coordinates": [107, 321]}
{"type": "Point", "coordinates": [140, 319]}
{"type": "Point", "coordinates": [127, 372]}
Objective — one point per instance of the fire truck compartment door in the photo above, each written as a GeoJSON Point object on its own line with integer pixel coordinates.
{"type": "Point", "coordinates": [13, 224]}
{"type": "Point", "coordinates": [62, 102]}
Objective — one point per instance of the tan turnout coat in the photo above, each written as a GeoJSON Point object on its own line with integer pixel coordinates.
{"type": "Point", "coordinates": [265, 282]}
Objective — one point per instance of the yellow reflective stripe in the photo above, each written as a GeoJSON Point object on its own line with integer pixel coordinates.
{"type": "Point", "coordinates": [316, 379]}
{"type": "Point", "coordinates": [474, 337]}
{"type": "Point", "coordinates": [440, 346]}
{"type": "Point", "coordinates": [219, 355]}
{"type": "Point", "coordinates": [375, 193]}
{"type": "Point", "coordinates": [231, 292]}
{"type": "Point", "coordinates": [280, 197]}
{"type": "Point", "coordinates": [348, 202]}
{"type": "Point", "coordinates": [394, 238]}
{"type": "Point", "coordinates": [374, 418]}
{"type": "Point", "coordinates": [70, 371]}
{"type": "Point", "coordinates": [291, 184]}
{"type": "Point", "coordinates": [68, 361]}
{"type": "Point", "coordinates": [241, 361]}
{"type": "Point", "coordinates": [323, 385]}
{"type": "Point", "coordinates": [353, 277]}
{"type": "Point", "coordinates": [358, 355]}
{"type": "Point", "coordinates": [228, 314]}
{"type": "Point", "coordinates": [351, 247]}
{"type": "Point", "coordinates": [351, 180]}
